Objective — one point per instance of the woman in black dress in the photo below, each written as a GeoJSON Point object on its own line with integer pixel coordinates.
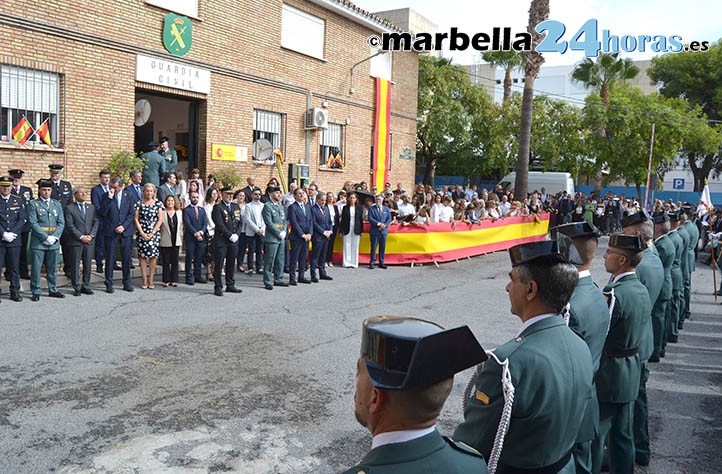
{"type": "Point", "coordinates": [147, 224]}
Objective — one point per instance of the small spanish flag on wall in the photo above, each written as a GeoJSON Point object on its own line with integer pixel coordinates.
{"type": "Point", "coordinates": [381, 134]}
{"type": "Point", "coordinates": [22, 131]}
{"type": "Point", "coordinates": [43, 132]}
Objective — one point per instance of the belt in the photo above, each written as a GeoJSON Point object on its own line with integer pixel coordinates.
{"type": "Point", "coordinates": [621, 353]}
{"type": "Point", "coordinates": [550, 469]}
{"type": "Point", "coordinates": [49, 229]}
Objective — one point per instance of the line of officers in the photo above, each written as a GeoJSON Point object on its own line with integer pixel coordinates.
{"type": "Point", "coordinates": [568, 393]}
{"type": "Point", "coordinates": [56, 220]}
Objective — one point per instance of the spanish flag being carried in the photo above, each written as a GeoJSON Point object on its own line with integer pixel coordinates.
{"type": "Point", "coordinates": [22, 131]}
{"type": "Point", "coordinates": [43, 132]}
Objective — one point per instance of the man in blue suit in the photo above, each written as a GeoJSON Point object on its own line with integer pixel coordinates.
{"type": "Point", "coordinates": [195, 222]}
{"type": "Point", "coordinates": [322, 230]}
{"type": "Point", "coordinates": [96, 198]}
{"type": "Point", "coordinates": [118, 208]}
{"type": "Point", "coordinates": [379, 220]}
{"type": "Point", "coordinates": [301, 221]}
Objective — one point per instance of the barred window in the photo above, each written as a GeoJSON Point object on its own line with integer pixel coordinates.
{"type": "Point", "coordinates": [331, 141]}
{"type": "Point", "coordinates": [30, 93]}
{"type": "Point", "coordinates": [268, 125]}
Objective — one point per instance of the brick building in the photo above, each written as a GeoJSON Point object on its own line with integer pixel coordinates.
{"type": "Point", "coordinates": [252, 71]}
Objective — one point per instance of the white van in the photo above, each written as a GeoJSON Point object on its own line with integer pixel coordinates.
{"type": "Point", "coordinates": [552, 182]}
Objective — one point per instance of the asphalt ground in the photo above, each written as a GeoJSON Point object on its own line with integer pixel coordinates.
{"type": "Point", "coordinates": [177, 380]}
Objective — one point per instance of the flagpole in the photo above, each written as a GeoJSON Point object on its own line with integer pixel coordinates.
{"type": "Point", "coordinates": [649, 169]}
{"type": "Point", "coordinates": [714, 274]}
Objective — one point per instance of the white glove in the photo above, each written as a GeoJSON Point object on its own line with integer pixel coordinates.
{"type": "Point", "coordinates": [9, 236]}
{"type": "Point", "coordinates": [51, 240]}
{"type": "Point", "coordinates": [282, 235]}
{"type": "Point", "coordinates": [233, 238]}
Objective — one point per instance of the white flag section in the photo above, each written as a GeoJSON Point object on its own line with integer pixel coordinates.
{"type": "Point", "coordinates": [705, 202]}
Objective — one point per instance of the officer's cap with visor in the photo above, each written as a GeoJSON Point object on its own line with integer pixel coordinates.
{"type": "Point", "coordinates": [55, 168]}
{"type": "Point", "coordinates": [402, 353]}
{"type": "Point", "coordinates": [6, 181]}
{"type": "Point", "coordinates": [633, 243]}
{"type": "Point", "coordinates": [16, 173]}
{"type": "Point", "coordinates": [575, 230]}
{"type": "Point", "coordinates": [546, 252]}
{"type": "Point", "coordinates": [636, 218]}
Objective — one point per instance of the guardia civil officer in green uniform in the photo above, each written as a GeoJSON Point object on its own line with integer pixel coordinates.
{"type": "Point", "coordinates": [47, 222]}
{"type": "Point", "coordinates": [665, 251]}
{"type": "Point", "coordinates": [620, 368]}
{"type": "Point", "coordinates": [549, 366]}
{"type": "Point", "coordinates": [684, 265]}
{"type": "Point", "coordinates": [685, 220]}
{"type": "Point", "coordinates": [403, 377]}
{"type": "Point", "coordinates": [155, 165]}
{"type": "Point", "coordinates": [169, 155]}
{"type": "Point", "coordinates": [650, 272]}
{"type": "Point", "coordinates": [675, 306]}
{"type": "Point", "coordinates": [274, 215]}
{"type": "Point", "coordinates": [12, 222]}
{"type": "Point", "coordinates": [588, 317]}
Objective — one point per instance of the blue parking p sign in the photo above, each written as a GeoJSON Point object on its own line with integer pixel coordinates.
{"type": "Point", "coordinates": [678, 183]}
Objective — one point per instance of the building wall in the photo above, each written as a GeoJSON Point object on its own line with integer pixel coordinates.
{"type": "Point", "coordinates": [94, 50]}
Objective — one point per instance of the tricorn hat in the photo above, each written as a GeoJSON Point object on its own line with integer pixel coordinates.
{"type": "Point", "coordinates": [546, 252]}
{"type": "Point", "coordinates": [402, 353]}
{"type": "Point", "coordinates": [44, 183]}
{"type": "Point", "coordinates": [661, 218]}
{"type": "Point", "coordinates": [633, 243]}
{"type": "Point", "coordinates": [575, 230]}
{"type": "Point", "coordinates": [636, 218]}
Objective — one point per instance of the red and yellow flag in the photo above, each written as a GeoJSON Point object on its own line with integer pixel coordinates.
{"type": "Point", "coordinates": [381, 134]}
{"type": "Point", "coordinates": [43, 132]}
{"type": "Point", "coordinates": [22, 131]}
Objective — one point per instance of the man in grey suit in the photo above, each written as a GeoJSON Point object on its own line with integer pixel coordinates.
{"type": "Point", "coordinates": [81, 228]}
{"type": "Point", "coordinates": [168, 187]}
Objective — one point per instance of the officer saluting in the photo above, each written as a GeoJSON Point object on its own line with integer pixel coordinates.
{"type": "Point", "coordinates": [47, 222]}
{"type": "Point", "coordinates": [548, 365]}
{"type": "Point", "coordinates": [403, 377]}
{"type": "Point", "coordinates": [588, 317]}
{"type": "Point", "coordinates": [620, 369]}
{"type": "Point", "coordinates": [26, 195]}
{"type": "Point", "coordinates": [12, 221]}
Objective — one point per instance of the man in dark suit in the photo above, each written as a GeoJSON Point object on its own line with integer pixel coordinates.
{"type": "Point", "coordinates": [136, 184]}
{"type": "Point", "coordinates": [63, 192]}
{"type": "Point", "coordinates": [96, 198]}
{"type": "Point", "coordinates": [26, 194]}
{"type": "Point", "coordinates": [81, 228]}
{"type": "Point", "coordinates": [301, 222]}
{"type": "Point", "coordinates": [322, 230]}
{"type": "Point", "coordinates": [248, 190]}
{"type": "Point", "coordinates": [195, 223]}
{"type": "Point", "coordinates": [227, 218]}
{"type": "Point", "coordinates": [12, 221]}
{"type": "Point", "coordinates": [379, 220]}
{"type": "Point", "coordinates": [117, 210]}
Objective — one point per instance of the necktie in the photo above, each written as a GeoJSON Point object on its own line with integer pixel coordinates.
{"type": "Point", "coordinates": [303, 208]}
{"type": "Point", "coordinates": [196, 209]}
{"type": "Point", "coordinates": [117, 200]}
{"type": "Point", "coordinates": [137, 191]}
{"type": "Point", "coordinates": [82, 209]}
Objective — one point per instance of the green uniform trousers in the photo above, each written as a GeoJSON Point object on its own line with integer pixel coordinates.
{"type": "Point", "coordinates": [273, 262]}
{"type": "Point", "coordinates": [50, 259]}
{"type": "Point", "coordinates": [641, 429]}
{"type": "Point", "coordinates": [659, 325]}
{"type": "Point", "coordinates": [675, 306]}
{"type": "Point", "coordinates": [615, 419]}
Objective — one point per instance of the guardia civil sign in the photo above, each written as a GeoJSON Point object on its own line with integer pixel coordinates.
{"type": "Point", "coordinates": [177, 34]}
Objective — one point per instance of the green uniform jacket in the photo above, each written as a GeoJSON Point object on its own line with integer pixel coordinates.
{"type": "Point", "coordinates": [551, 369]}
{"type": "Point", "coordinates": [665, 250]}
{"type": "Point", "coordinates": [617, 379]}
{"type": "Point", "coordinates": [171, 159]}
{"type": "Point", "coordinates": [650, 272]}
{"type": "Point", "coordinates": [678, 243]}
{"type": "Point", "coordinates": [430, 454]}
{"type": "Point", "coordinates": [589, 317]}
{"type": "Point", "coordinates": [274, 215]}
{"type": "Point", "coordinates": [684, 258]}
{"type": "Point", "coordinates": [45, 221]}
{"type": "Point", "coordinates": [693, 232]}
{"type": "Point", "coordinates": [155, 168]}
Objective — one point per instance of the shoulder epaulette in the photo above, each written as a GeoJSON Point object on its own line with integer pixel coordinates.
{"type": "Point", "coordinates": [463, 447]}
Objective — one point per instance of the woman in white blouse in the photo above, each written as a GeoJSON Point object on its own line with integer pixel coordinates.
{"type": "Point", "coordinates": [435, 208]}
{"type": "Point", "coordinates": [211, 199]}
{"type": "Point", "coordinates": [351, 227]}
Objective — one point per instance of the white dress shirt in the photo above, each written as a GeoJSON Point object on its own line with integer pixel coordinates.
{"type": "Point", "coordinates": [403, 436]}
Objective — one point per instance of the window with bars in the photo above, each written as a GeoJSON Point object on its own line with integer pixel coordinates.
{"type": "Point", "coordinates": [31, 93]}
{"type": "Point", "coordinates": [268, 125]}
{"type": "Point", "coordinates": [331, 141]}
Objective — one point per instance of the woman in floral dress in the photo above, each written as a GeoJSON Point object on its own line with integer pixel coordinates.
{"type": "Point", "coordinates": [148, 213]}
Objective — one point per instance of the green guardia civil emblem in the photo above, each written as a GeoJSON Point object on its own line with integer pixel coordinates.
{"type": "Point", "coordinates": [177, 34]}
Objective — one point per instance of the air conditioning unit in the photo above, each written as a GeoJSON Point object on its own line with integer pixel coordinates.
{"type": "Point", "coordinates": [316, 118]}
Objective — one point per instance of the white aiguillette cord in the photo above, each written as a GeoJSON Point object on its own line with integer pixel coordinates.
{"type": "Point", "coordinates": [507, 386]}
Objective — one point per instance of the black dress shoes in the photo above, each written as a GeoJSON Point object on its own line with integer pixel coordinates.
{"type": "Point", "coordinates": [201, 280]}
{"type": "Point", "coordinates": [128, 288]}
{"type": "Point", "coordinates": [280, 283]}
{"type": "Point", "coordinates": [326, 277]}
{"type": "Point", "coordinates": [371, 266]}
{"type": "Point", "coordinates": [190, 282]}
{"type": "Point", "coordinates": [218, 292]}
{"type": "Point", "coordinates": [672, 338]}
{"type": "Point", "coordinates": [233, 289]}
{"type": "Point", "coordinates": [86, 291]}
{"type": "Point", "coordinates": [35, 298]}
{"type": "Point", "coordinates": [109, 289]}
{"type": "Point", "coordinates": [292, 283]}
{"type": "Point", "coordinates": [56, 294]}
{"type": "Point", "coordinates": [76, 292]}
{"type": "Point", "coordinates": [16, 297]}
{"type": "Point", "coordinates": [303, 280]}
{"type": "Point", "coordinates": [116, 268]}
{"type": "Point", "coordinates": [383, 266]}
{"type": "Point", "coordinates": [314, 279]}
{"type": "Point", "coordinates": [267, 286]}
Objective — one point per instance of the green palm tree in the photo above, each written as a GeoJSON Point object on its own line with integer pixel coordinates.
{"type": "Point", "coordinates": [604, 73]}
{"type": "Point", "coordinates": [538, 12]}
{"type": "Point", "coordinates": [508, 61]}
